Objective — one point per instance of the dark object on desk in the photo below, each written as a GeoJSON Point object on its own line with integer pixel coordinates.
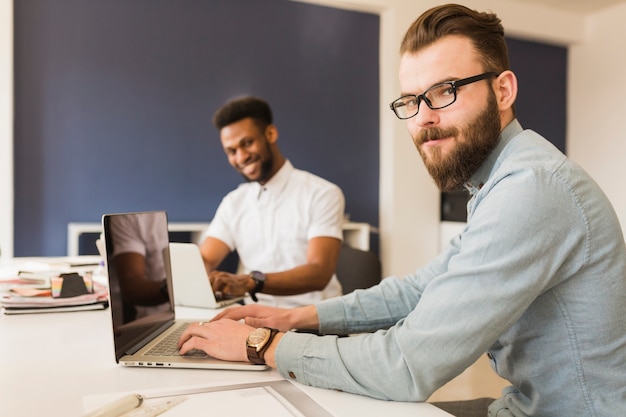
{"type": "Point", "coordinates": [73, 285]}
{"type": "Point", "coordinates": [357, 269]}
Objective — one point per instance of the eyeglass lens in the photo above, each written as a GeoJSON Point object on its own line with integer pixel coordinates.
{"type": "Point", "coordinates": [436, 97]}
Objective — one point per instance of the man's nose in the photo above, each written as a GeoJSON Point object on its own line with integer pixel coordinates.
{"type": "Point", "coordinates": [425, 117]}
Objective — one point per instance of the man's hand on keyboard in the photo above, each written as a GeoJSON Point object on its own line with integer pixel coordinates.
{"type": "Point", "coordinates": [223, 339]}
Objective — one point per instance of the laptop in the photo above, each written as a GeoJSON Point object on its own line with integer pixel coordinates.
{"type": "Point", "coordinates": [191, 284]}
{"type": "Point", "coordinates": [140, 329]}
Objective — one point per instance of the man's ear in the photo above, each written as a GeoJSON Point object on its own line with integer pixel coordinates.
{"type": "Point", "coordinates": [506, 90]}
{"type": "Point", "coordinates": [271, 133]}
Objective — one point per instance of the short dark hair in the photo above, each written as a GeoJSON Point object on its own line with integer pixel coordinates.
{"type": "Point", "coordinates": [485, 30]}
{"type": "Point", "coordinates": [241, 108]}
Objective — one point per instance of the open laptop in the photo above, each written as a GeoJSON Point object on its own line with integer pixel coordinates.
{"type": "Point", "coordinates": [191, 285]}
{"type": "Point", "coordinates": [139, 330]}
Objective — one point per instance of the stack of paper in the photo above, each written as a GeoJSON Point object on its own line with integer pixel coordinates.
{"type": "Point", "coordinates": [16, 304]}
{"type": "Point", "coordinates": [30, 291]}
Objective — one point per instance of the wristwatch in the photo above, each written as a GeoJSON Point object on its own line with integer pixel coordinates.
{"type": "Point", "coordinates": [259, 280]}
{"type": "Point", "coordinates": [257, 343]}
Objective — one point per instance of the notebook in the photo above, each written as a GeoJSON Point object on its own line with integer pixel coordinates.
{"type": "Point", "coordinates": [191, 285]}
{"type": "Point", "coordinates": [138, 330]}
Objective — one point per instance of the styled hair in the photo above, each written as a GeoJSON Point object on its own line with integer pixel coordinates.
{"type": "Point", "coordinates": [484, 30]}
{"type": "Point", "coordinates": [241, 108]}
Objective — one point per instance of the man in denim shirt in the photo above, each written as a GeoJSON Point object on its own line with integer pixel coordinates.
{"type": "Point", "coordinates": [537, 279]}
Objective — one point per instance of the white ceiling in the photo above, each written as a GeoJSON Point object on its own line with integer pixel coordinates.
{"type": "Point", "coordinates": [579, 6]}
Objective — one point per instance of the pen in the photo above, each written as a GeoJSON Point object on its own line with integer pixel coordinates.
{"type": "Point", "coordinates": [118, 407]}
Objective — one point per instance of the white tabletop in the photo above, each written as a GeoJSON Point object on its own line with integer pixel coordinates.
{"type": "Point", "coordinates": [49, 364]}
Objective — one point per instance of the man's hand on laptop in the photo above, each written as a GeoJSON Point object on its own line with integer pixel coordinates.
{"type": "Point", "coordinates": [223, 339]}
{"type": "Point", "coordinates": [225, 336]}
{"type": "Point", "coordinates": [230, 285]}
{"type": "Point", "coordinates": [255, 315]}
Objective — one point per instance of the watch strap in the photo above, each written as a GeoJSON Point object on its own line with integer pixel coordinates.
{"type": "Point", "coordinates": [258, 356]}
{"type": "Point", "coordinates": [259, 279]}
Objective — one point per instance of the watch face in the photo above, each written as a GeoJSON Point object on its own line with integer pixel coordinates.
{"type": "Point", "coordinates": [258, 276]}
{"type": "Point", "coordinates": [258, 337]}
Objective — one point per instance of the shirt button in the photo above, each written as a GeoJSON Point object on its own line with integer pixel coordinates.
{"type": "Point", "coordinates": [292, 375]}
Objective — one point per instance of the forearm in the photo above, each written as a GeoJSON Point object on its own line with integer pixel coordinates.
{"type": "Point", "coordinates": [399, 364]}
{"type": "Point", "coordinates": [302, 318]}
{"type": "Point", "coordinates": [256, 315]}
{"type": "Point", "coordinates": [298, 280]}
{"type": "Point", "coordinates": [313, 275]}
{"type": "Point", "coordinates": [270, 353]}
{"type": "Point", "coordinates": [350, 364]}
{"type": "Point", "coordinates": [378, 307]}
{"type": "Point", "coordinates": [292, 282]}
{"type": "Point", "coordinates": [213, 252]}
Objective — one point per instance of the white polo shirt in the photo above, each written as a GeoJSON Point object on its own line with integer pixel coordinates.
{"type": "Point", "coordinates": [270, 226]}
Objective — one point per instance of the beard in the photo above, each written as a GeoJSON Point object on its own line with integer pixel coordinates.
{"type": "Point", "coordinates": [481, 134]}
{"type": "Point", "coordinates": [266, 166]}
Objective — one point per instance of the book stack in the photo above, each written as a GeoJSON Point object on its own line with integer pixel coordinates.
{"type": "Point", "coordinates": [62, 289]}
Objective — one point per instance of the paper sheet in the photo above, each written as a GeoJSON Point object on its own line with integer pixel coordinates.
{"type": "Point", "coordinates": [268, 399]}
{"type": "Point", "coordinates": [259, 401]}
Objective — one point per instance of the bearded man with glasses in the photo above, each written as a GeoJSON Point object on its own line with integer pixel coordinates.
{"type": "Point", "coordinates": [537, 279]}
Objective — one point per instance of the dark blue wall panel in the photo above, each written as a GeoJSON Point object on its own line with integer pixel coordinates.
{"type": "Point", "coordinates": [541, 104]}
{"type": "Point", "coordinates": [114, 98]}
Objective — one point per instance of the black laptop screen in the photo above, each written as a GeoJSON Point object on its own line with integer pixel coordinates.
{"type": "Point", "coordinates": [139, 284]}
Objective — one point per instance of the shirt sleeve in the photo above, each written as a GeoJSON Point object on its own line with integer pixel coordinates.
{"type": "Point", "coordinates": [435, 323]}
{"type": "Point", "coordinates": [334, 362]}
{"type": "Point", "coordinates": [219, 228]}
{"type": "Point", "coordinates": [327, 213]}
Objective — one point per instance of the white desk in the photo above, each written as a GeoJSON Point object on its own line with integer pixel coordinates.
{"type": "Point", "coordinates": [50, 362]}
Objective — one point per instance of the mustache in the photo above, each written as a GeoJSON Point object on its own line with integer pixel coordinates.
{"type": "Point", "coordinates": [247, 162]}
{"type": "Point", "coordinates": [434, 133]}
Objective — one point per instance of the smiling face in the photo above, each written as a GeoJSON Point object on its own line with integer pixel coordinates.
{"type": "Point", "coordinates": [454, 141]}
{"type": "Point", "coordinates": [250, 150]}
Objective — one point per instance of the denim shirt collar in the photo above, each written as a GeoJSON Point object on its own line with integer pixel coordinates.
{"type": "Point", "coordinates": [481, 176]}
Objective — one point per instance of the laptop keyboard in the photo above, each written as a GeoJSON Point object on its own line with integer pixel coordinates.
{"type": "Point", "coordinates": [169, 345]}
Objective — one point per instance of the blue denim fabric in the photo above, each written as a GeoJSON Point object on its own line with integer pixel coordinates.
{"type": "Point", "coordinates": [537, 279]}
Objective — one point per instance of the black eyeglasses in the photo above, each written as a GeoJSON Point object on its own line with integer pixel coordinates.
{"type": "Point", "coordinates": [436, 97]}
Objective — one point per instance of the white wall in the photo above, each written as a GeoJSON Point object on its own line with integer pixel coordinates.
{"type": "Point", "coordinates": [6, 128]}
{"type": "Point", "coordinates": [409, 202]}
{"type": "Point", "coordinates": [597, 104]}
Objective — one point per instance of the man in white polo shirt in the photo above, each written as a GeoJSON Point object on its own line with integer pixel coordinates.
{"type": "Point", "coordinates": [284, 223]}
